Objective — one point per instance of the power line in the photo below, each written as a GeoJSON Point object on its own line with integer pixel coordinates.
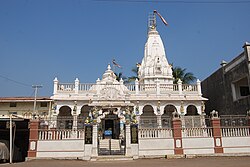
{"type": "Point", "coordinates": [178, 1]}
{"type": "Point", "coordinates": [14, 81]}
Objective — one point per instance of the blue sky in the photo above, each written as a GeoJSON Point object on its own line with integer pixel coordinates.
{"type": "Point", "coordinates": [42, 39]}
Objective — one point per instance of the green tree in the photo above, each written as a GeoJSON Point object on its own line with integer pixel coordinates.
{"type": "Point", "coordinates": [135, 76]}
{"type": "Point", "coordinates": [185, 77]}
{"type": "Point", "coordinates": [120, 76]}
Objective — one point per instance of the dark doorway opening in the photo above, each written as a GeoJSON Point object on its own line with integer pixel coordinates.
{"type": "Point", "coordinates": [20, 138]}
{"type": "Point", "coordinates": [111, 124]}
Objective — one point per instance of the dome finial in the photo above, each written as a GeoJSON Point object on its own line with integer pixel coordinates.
{"type": "Point", "coordinates": [109, 67]}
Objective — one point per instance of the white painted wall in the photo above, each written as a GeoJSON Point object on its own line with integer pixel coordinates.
{"type": "Point", "coordinates": [154, 147]}
{"type": "Point", "coordinates": [236, 144]}
{"type": "Point", "coordinates": [198, 145]}
{"type": "Point", "coordinates": [60, 148]}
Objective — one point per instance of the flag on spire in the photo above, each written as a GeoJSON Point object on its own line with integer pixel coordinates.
{"type": "Point", "coordinates": [162, 19]}
{"type": "Point", "coordinates": [116, 64]}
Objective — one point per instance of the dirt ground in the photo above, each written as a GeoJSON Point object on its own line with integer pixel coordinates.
{"type": "Point", "coordinates": [188, 162]}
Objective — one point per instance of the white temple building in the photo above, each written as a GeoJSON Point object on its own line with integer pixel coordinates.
{"type": "Point", "coordinates": [151, 100]}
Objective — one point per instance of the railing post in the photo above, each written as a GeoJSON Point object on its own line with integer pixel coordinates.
{"type": "Point", "coordinates": [55, 85]}
{"type": "Point", "coordinates": [76, 86]}
{"type": "Point", "coordinates": [128, 140]}
{"type": "Point", "coordinates": [177, 128]}
{"type": "Point", "coordinates": [199, 87]}
{"type": "Point", "coordinates": [136, 86]}
{"type": "Point", "coordinates": [34, 124]}
{"type": "Point", "coordinates": [215, 122]}
{"type": "Point", "coordinates": [94, 139]}
{"type": "Point", "coordinates": [179, 86]}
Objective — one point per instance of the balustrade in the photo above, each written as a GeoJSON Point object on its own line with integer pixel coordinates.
{"type": "Point", "coordinates": [196, 132]}
{"type": "Point", "coordinates": [147, 88]}
{"type": "Point", "coordinates": [189, 88]}
{"type": "Point", "coordinates": [60, 134]}
{"type": "Point", "coordinates": [85, 87]}
{"type": "Point", "coordinates": [235, 132]}
{"type": "Point", "coordinates": [155, 133]}
{"type": "Point", "coordinates": [67, 87]}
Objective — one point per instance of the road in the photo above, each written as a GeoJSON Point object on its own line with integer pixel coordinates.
{"type": "Point", "coordinates": [188, 162]}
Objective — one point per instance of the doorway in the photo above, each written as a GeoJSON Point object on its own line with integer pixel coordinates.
{"type": "Point", "coordinates": [111, 127]}
{"type": "Point", "coordinates": [111, 140]}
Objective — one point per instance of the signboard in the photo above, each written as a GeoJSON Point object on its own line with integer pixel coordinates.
{"type": "Point", "coordinates": [134, 134]}
{"type": "Point", "coordinates": [88, 134]}
{"type": "Point", "coordinates": [108, 133]}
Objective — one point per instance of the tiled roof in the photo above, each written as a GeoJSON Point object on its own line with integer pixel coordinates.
{"type": "Point", "coordinates": [20, 99]}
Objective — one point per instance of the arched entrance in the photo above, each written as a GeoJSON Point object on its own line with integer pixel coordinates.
{"type": "Point", "coordinates": [111, 132]}
{"type": "Point", "coordinates": [64, 118]}
{"type": "Point", "coordinates": [191, 110]}
{"type": "Point", "coordinates": [167, 116]}
{"type": "Point", "coordinates": [148, 119]}
{"type": "Point", "coordinates": [192, 119]}
{"type": "Point", "coordinates": [82, 116]}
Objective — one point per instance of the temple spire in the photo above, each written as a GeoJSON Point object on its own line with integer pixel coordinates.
{"type": "Point", "coordinates": [154, 67]}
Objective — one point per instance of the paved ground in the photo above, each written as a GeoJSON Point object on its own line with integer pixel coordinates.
{"type": "Point", "coordinates": [190, 162]}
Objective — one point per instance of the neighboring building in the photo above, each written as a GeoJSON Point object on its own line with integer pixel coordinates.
{"type": "Point", "coordinates": [24, 106]}
{"type": "Point", "coordinates": [228, 88]}
{"type": "Point", "coordinates": [22, 109]}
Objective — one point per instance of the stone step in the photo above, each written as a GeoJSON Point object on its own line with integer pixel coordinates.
{"type": "Point", "coordinates": [112, 158]}
{"type": "Point", "coordinates": [115, 144]}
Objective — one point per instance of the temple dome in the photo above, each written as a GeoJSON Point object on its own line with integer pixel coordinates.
{"type": "Point", "coordinates": [109, 76]}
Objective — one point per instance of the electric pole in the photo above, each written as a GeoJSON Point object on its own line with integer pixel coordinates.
{"type": "Point", "coordinates": [36, 90]}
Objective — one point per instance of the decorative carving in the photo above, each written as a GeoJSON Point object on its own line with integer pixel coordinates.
{"type": "Point", "coordinates": [158, 107]}
{"type": "Point", "coordinates": [182, 107]}
{"type": "Point", "coordinates": [214, 114]}
{"type": "Point", "coordinates": [248, 113]}
{"type": "Point", "coordinates": [203, 106]}
{"type": "Point", "coordinates": [176, 115]}
{"type": "Point", "coordinates": [75, 107]}
{"type": "Point", "coordinates": [95, 112]}
{"type": "Point", "coordinates": [110, 93]}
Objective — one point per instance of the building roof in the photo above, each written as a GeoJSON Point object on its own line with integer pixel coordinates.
{"type": "Point", "coordinates": [24, 99]}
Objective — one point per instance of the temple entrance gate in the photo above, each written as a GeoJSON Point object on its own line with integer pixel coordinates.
{"type": "Point", "coordinates": [111, 133]}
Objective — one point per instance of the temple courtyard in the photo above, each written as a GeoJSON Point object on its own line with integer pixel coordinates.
{"type": "Point", "coordinates": [187, 162]}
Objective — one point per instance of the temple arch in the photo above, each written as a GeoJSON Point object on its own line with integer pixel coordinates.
{"type": "Point", "coordinates": [191, 110]}
{"type": "Point", "coordinates": [82, 116]}
{"type": "Point", "coordinates": [148, 118]}
{"type": "Point", "coordinates": [167, 116]}
{"type": "Point", "coordinates": [65, 118]}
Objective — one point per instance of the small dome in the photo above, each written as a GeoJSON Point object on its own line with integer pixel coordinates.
{"type": "Point", "coordinates": [109, 75]}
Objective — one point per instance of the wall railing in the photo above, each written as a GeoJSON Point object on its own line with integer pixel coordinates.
{"type": "Point", "coordinates": [60, 134]}
{"type": "Point", "coordinates": [155, 133]}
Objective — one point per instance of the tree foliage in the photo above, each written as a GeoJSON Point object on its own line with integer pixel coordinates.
{"type": "Point", "coordinates": [185, 77]}
{"type": "Point", "coordinates": [135, 76]}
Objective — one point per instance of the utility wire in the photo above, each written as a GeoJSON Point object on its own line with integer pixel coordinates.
{"type": "Point", "coordinates": [14, 81]}
{"type": "Point", "coordinates": [179, 1]}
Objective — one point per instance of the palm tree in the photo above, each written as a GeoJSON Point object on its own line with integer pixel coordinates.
{"type": "Point", "coordinates": [135, 76]}
{"type": "Point", "coordinates": [120, 76]}
{"type": "Point", "coordinates": [185, 77]}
